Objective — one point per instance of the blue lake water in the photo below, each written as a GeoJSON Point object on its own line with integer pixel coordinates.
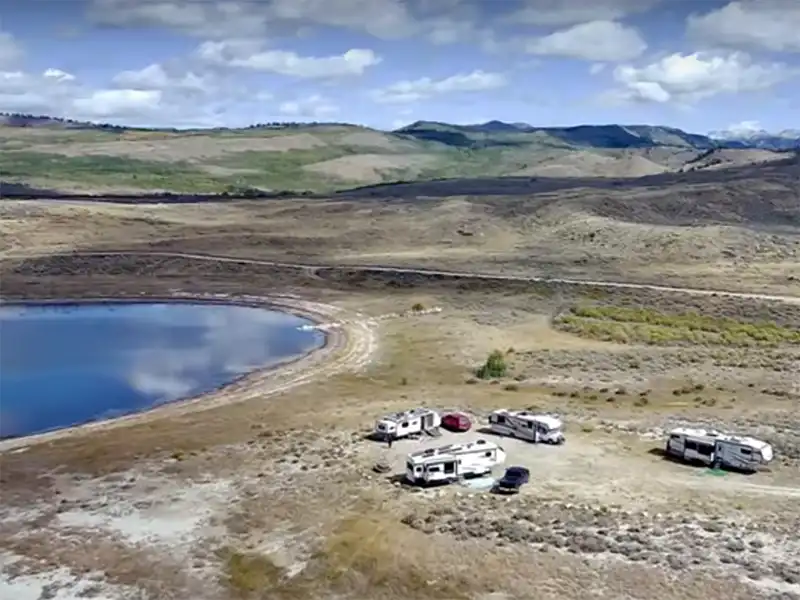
{"type": "Point", "coordinates": [63, 365]}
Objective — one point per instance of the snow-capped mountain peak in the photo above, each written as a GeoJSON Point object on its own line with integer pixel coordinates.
{"type": "Point", "coordinates": [750, 133]}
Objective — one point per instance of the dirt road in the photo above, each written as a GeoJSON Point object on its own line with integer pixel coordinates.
{"type": "Point", "coordinates": [465, 274]}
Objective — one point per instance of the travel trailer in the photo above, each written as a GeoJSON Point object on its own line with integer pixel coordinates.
{"type": "Point", "coordinates": [404, 424]}
{"type": "Point", "coordinates": [718, 450]}
{"type": "Point", "coordinates": [528, 426]}
{"type": "Point", "coordinates": [454, 461]}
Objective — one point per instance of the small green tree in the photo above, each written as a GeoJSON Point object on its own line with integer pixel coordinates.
{"type": "Point", "coordinates": [494, 367]}
{"type": "Point", "coordinates": [418, 307]}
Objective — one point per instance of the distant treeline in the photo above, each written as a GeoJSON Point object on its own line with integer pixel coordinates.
{"type": "Point", "coordinates": [18, 191]}
{"type": "Point", "coordinates": [27, 120]}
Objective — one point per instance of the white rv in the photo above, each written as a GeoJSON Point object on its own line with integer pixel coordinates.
{"type": "Point", "coordinates": [454, 461]}
{"type": "Point", "coordinates": [528, 426]}
{"type": "Point", "coordinates": [406, 423]}
{"type": "Point", "coordinates": [718, 450]}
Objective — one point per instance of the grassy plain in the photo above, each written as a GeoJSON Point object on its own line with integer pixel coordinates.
{"type": "Point", "coordinates": [266, 489]}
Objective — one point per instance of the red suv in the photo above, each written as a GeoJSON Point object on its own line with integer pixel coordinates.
{"type": "Point", "coordinates": [456, 422]}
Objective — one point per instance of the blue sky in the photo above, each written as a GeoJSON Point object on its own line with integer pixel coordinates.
{"type": "Point", "coordinates": [696, 64]}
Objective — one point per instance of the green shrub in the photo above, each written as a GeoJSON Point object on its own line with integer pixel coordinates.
{"type": "Point", "coordinates": [494, 367]}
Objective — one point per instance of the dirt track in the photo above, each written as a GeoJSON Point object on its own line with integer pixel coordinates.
{"type": "Point", "coordinates": [367, 269]}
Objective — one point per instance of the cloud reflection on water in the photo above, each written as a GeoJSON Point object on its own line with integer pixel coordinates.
{"type": "Point", "coordinates": [105, 361]}
{"type": "Point", "coordinates": [231, 341]}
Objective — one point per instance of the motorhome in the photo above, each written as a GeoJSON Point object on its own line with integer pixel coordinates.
{"type": "Point", "coordinates": [454, 461]}
{"type": "Point", "coordinates": [718, 450]}
{"type": "Point", "coordinates": [536, 428]}
{"type": "Point", "coordinates": [406, 423]}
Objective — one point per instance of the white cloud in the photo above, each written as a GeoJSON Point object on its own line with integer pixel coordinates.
{"type": "Point", "coordinates": [763, 25]}
{"type": "Point", "coordinates": [570, 12]}
{"type": "Point", "coordinates": [58, 75]}
{"type": "Point", "coordinates": [155, 77]}
{"type": "Point", "coordinates": [199, 18]}
{"type": "Point", "coordinates": [688, 78]}
{"type": "Point", "coordinates": [606, 41]}
{"type": "Point", "coordinates": [10, 51]}
{"type": "Point", "coordinates": [744, 128]}
{"type": "Point", "coordinates": [58, 93]}
{"type": "Point", "coordinates": [419, 89]}
{"type": "Point", "coordinates": [27, 92]}
{"type": "Point", "coordinates": [242, 55]}
{"type": "Point", "coordinates": [102, 104]}
{"type": "Point", "coordinates": [313, 107]}
{"type": "Point", "coordinates": [223, 52]}
{"type": "Point", "coordinates": [444, 20]}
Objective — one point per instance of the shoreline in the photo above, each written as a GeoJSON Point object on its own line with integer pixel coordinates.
{"type": "Point", "coordinates": [238, 389]}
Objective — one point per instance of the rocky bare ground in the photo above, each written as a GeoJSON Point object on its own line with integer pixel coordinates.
{"type": "Point", "coordinates": [174, 506]}
{"type": "Point", "coordinates": [764, 550]}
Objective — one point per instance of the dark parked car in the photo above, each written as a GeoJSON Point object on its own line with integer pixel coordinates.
{"type": "Point", "coordinates": [513, 479]}
{"type": "Point", "coordinates": [456, 422]}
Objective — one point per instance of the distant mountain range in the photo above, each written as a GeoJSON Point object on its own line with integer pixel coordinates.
{"type": "Point", "coordinates": [788, 139]}
{"type": "Point", "coordinates": [499, 134]}
{"type": "Point", "coordinates": [494, 133]}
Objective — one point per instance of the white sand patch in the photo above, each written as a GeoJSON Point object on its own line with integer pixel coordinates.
{"type": "Point", "coordinates": [56, 584]}
{"type": "Point", "coordinates": [167, 516]}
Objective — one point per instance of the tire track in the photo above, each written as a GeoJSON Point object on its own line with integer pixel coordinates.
{"type": "Point", "coordinates": [312, 268]}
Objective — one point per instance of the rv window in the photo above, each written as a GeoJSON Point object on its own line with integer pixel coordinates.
{"type": "Point", "coordinates": [488, 454]}
{"type": "Point", "coordinates": [746, 451]}
{"type": "Point", "coordinates": [435, 469]}
{"type": "Point", "coordinates": [500, 419]}
{"type": "Point", "coordinates": [450, 467]}
{"type": "Point", "coordinates": [404, 424]}
{"type": "Point", "coordinates": [706, 449]}
{"type": "Point", "coordinates": [690, 445]}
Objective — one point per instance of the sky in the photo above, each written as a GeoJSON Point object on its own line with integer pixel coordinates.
{"type": "Point", "coordinates": [700, 65]}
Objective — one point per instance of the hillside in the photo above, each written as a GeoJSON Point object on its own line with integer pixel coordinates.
{"type": "Point", "coordinates": [737, 228]}
{"type": "Point", "coordinates": [81, 157]}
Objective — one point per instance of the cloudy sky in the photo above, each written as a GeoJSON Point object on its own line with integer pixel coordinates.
{"type": "Point", "coordinates": [697, 64]}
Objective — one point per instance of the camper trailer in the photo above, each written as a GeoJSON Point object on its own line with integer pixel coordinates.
{"type": "Point", "coordinates": [528, 426]}
{"type": "Point", "coordinates": [454, 461]}
{"type": "Point", "coordinates": [406, 423]}
{"type": "Point", "coordinates": [718, 450]}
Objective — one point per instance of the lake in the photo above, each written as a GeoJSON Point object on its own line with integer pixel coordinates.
{"type": "Point", "coordinates": [68, 364]}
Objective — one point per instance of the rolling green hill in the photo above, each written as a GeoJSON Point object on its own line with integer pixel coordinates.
{"type": "Point", "coordinates": [66, 156]}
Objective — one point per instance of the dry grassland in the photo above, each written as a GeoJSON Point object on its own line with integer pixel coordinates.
{"type": "Point", "coordinates": [274, 497]}
{"type": "Point", "coordinates": [543, 236]}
